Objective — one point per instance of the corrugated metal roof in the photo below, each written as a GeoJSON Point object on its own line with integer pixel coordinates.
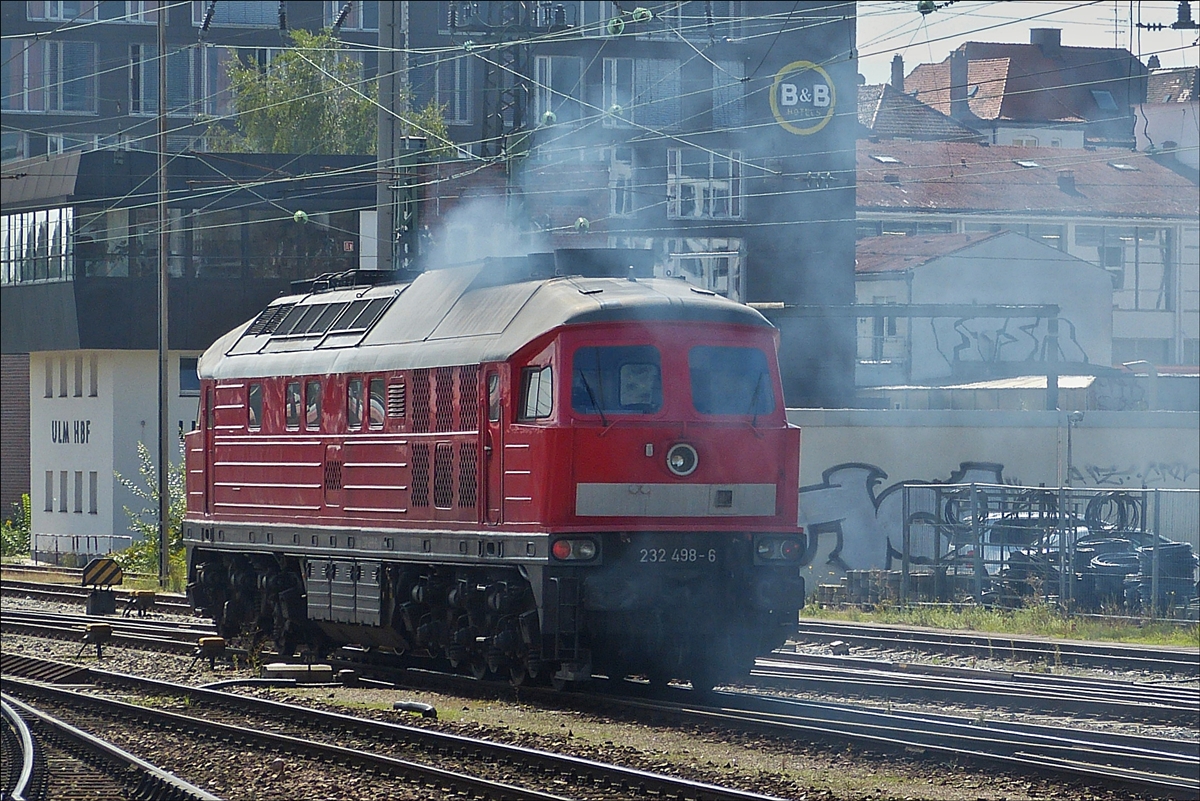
{"type": "Point", "coordinates": [446, 317]}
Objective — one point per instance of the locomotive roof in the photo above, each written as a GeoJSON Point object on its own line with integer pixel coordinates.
{"type": "Point", "coordinates": [446, 317]}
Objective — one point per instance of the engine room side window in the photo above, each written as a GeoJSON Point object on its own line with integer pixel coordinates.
{"type": "Point", "coordinates": [537, 392]}
{"type": "Point", "coordinates": [292, 404]}
{"type": "Point", "coordinates": [619, 379]}
{"type": "Point", "coordinates": [254, 408]}
{"type": "Point", "coordinates": [354, 403]}
{"type": "Point", "coordinates": [312, 405]}
{"type": "Point", "coordinates": [378, 403]}
{"type": "Point", "coordinates": [493, 388]}
{"type": "Point", "coordinates": [727, 380]}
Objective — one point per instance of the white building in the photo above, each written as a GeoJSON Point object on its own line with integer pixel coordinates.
{"type": "Point", "coordinates": [1001, 269]}
{"type": "Point", "coordinates": [88, 410]}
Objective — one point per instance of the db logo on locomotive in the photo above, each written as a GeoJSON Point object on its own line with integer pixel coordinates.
{"type": "Point", "coordinates": [803, 97]}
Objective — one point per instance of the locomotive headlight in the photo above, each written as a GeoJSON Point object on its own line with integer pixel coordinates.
{"type": "Point", "coordinates": [682, 459]}
{"type": "Point", "coordinates": [576, 550]}
{"type": "Point", "coordinates": [779, 549]}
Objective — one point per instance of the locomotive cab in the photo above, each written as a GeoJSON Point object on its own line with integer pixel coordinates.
{"type": "Point", "coordinates": [535, 467]}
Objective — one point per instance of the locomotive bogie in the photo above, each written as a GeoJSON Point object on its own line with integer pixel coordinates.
{"type": "Point", "coordinates": [550, 477]}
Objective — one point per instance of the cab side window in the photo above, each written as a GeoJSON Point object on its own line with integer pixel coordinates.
{"type": "Point", "coordinates": [378, 403]}
{"type": "Point", "coordinates": [537, 392]}
{"type": "Point", "coordinates": [255, 407]}
{"type": "Point", "coordinates": [292, 404]}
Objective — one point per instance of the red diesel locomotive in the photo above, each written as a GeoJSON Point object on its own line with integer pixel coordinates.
{"type": "Point", "coordinates": [550, 466]}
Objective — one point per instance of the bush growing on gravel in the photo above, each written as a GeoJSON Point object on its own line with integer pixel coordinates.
{"type": "Point", "coordinates": [142, 556]}
{"type": "Point", "coordinates": [14, 535]}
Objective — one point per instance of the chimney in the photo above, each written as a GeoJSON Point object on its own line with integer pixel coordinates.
{"type": "Point", "coordinates": [1048, 40]}
{"type": "Point", "coordinates": [1066, 181]}
{"type": "Point", "coordinates": [898, 72]}
{"type": "Point", "coordinates": [958, 85]}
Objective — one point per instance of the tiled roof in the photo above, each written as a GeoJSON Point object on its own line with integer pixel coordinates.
{"type": "Point", "coordinates": [957, 176]}
{"type": "Point", "coordinates": [885, 254]}
{"type": "Point", "coordinates": [1173, 85]}
{"type": "Point", "coordinates": [986, 81]}
{"type": "Point", "coordinates": [1019, 83]}
{"type": "Point", "coordinates": [889, 113]}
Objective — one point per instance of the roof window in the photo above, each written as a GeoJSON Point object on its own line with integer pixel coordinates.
{"type": "Point", "coordinates": [1104, 99]}
{"type": "Point", "coordinates": [1026, 163]}
{"type": "Point", "coordinates": [886, 159]}
{"type": "Point", "coordinates": [1122, 166]}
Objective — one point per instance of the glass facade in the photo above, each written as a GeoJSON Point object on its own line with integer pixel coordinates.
{"type": "Point", "coordinates": [37, 246]}
{"type": "Point", "coordinates": [52, 244]}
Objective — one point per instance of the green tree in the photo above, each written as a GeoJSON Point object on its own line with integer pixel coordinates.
{"type": "Point", "coordinates": [14, 534]}
{"type": "Point", "coordinates": [312, 98]}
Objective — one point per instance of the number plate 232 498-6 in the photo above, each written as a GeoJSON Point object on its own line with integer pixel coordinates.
{"type": "Point", "coordinates": [677, 556]}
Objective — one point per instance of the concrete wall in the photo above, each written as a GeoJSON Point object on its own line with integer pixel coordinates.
{"type": "Point", "coordinates": [1171, 122]}
{"type": "Point", "coordinates": [76, 432]}
{"type": "Point", "coordinates": [853, 462]}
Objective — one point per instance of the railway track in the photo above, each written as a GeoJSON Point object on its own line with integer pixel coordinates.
{"type": "Point", "coordinates": [173, 603]}
{"type": "Point", "coordinates": [231, 718]}
{"type": "Point", "coordinates": [155, 635]}
{"type": "Point", "coordinates": [1112, 656]}
{"type": "Point", "coordinates": [1108, 699]}
{"type": "Point", "coordinates": [58, 760]}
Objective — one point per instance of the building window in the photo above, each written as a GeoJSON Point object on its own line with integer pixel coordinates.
{"type": "Point", "coordinates": [134, 11]}
{"type": "Point", "coordinates": [78, 376]}
{"type": "Point", "coordinates": [189, 377]}
{"type": "Point", "coordinates": [363, 16]}
{"type": "Point", "coordinates": [49, 505]}
{"type": "Point", "coordinates": [93, 375]}
{"type": "Point", "coordinates": [729, 94]}
{"type": "Point", "coordinates": [1025, 141]}
{"type": "Point", "coordinates": [238, 12]}
{"type": "Point", "coordinates": [49, 377]}
{"type": "Point", "coordinates": [1191, 351]}
{"type": "Point", "coordinates": [557, 89]}
{"type": "Point", "coordinates": [143, 81]}
{"type": "Point", "coordinates": [79, 492]}
{"type": "Point", "coordinates": [37, 246]}
{"type": "Point", "coordinates": [93, 491]}
{"type": "Point", "coordinates": [713, 263]}
{"type": "Point", "coordinates": [61, 10]}
{"type": "Point", "coordinates": [703, 184]}
{"type": "Point", "coordinates": [254, 407]}
{"type": "Point", "coordinates": [62, 491]}
{"type": "Point", "coordinates": [620, 181]}
{"type": "Point", "coordinates": [62, 376]}
{"type": "Point", "coordinates": [644, 91]}
{"type": "Point", "coordinates": [13, 146]}
{"type": "Point", "coordinates": [44, 75]}
{"type": "Point", "coordinates": [452, 88]}
{"type": "Point", "coordinates": [1054, 236]}
{"type": "Point", "coordinates": [1155, 351]}
{"type": "Point", "coordinates": [1138, 259]}
{"type": "Point", "coordinates": [697, 20]}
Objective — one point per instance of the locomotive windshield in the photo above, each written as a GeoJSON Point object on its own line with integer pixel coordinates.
{"type": "Point", "coordinates": [624, 379]}
{"type": "Point", "coordinates": [730, 380]}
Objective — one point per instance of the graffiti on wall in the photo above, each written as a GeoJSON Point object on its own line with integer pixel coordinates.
{"type": "Point", "coordinates": [856, 525]}
{"type": "Point", "coordinates": [1006, 339]}
{"type": "Point", "coordinates": [853, 524]}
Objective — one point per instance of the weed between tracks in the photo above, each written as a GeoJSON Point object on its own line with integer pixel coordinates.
{"type": "Point", "coordinates": [1041, 620]}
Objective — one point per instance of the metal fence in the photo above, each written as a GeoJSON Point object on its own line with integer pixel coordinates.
{"type": "Point", "coordinates": [1088, 550]}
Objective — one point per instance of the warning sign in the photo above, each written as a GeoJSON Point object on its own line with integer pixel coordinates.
{"type": "Point", "coordinates": [103, 572]}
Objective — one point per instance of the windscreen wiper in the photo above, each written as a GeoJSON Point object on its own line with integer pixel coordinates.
{"type": "Point", "coordinates": [592, 397]}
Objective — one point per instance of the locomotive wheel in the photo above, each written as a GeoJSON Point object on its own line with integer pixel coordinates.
{"type": "Point", "coordinates": [479, 669]}
{"type": "Point", "coordinates": [517, 675]}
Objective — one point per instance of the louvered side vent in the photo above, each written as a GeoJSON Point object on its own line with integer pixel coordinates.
{"type": "Point", "coordinates": [468, 458]}
{"type": "Point", "coordinates": [421, 400]}
{"type": "Point", "coordinates": [468, 400]}
{"type": "Point", "coordinates": [395, 399]}
{"type": "Point", "coordinates": [443, 475]}
{"type": "Point", "coordinates": [420, 475]}
{"type": "Point", "coordinates": [444, 413]}
{"type": "Point", "coordinates": [333, 476]}
{"type": "Point", "coordinates": [268, 320]}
